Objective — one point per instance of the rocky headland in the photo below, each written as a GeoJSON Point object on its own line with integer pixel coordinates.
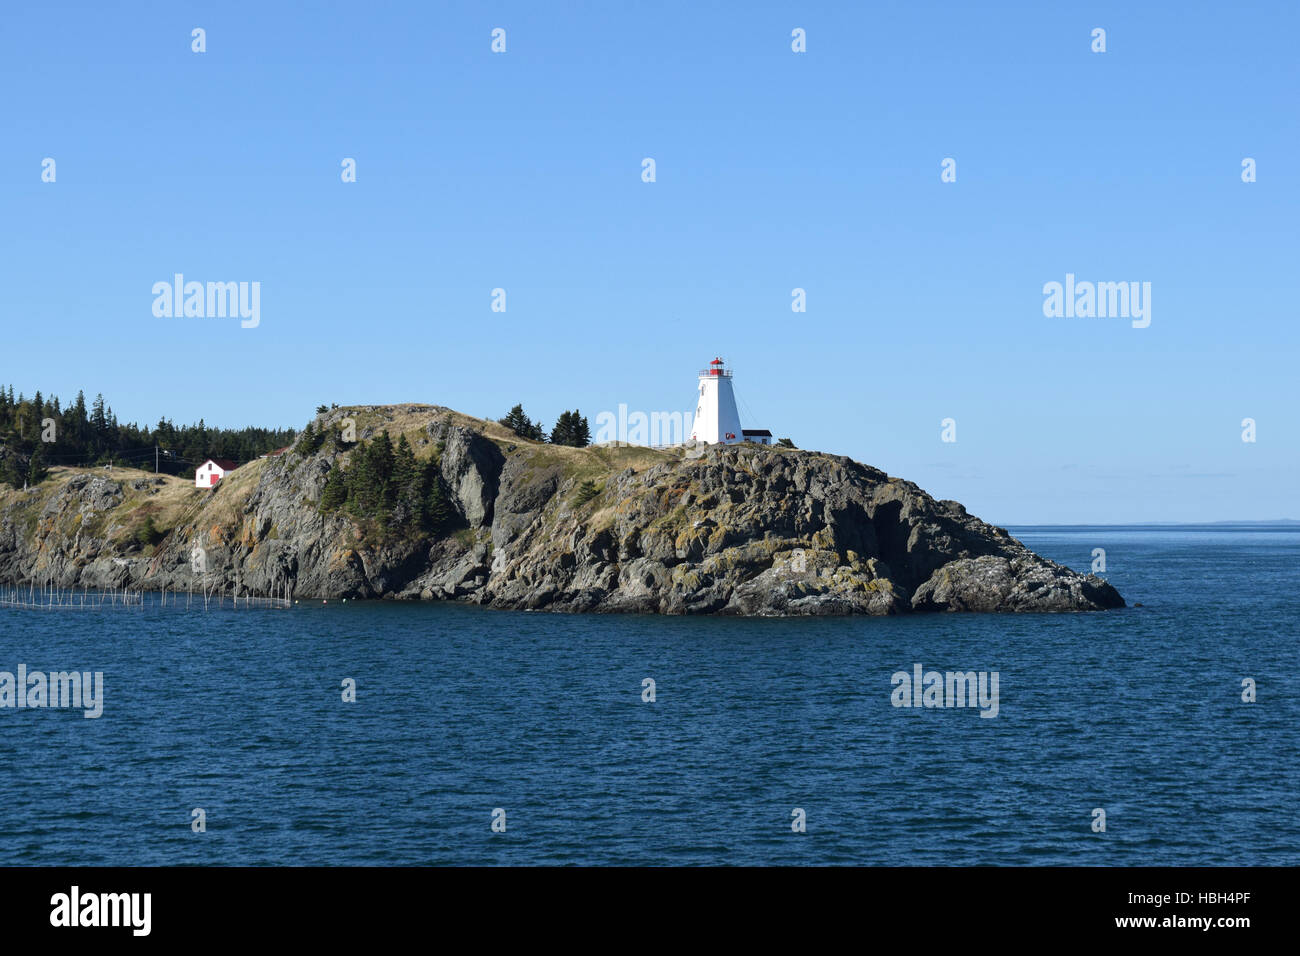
{"type": "Point", "coordinates": [728, 529]}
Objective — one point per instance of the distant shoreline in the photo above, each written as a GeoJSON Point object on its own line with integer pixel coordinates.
{"type": "Point", "coordinates": [1286, 524]}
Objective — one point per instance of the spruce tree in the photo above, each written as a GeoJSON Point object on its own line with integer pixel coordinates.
{"type": "Point", "coordinates": [382, 460]}
{"type": "Point", "coordinates": [98, 420]}
{"type": "Point", "coordinates": [335, 493]}
{"type": "Point", "coordinates": [571, 429]}
{"type": "Point", "coordinates": [522, 425]}
{"type": "Point", "coordinates": [36, 470]}
{"type": "Point", "coordinates": [405, 469]}
{"type": "Point", "coordinates": [437, 512]}
{"type": "Point", "coordinates": [9, 473]}
{"type": "Point", "coordinates": [362, 492]}
{"type": "Point", "coordinates": [407, 487]}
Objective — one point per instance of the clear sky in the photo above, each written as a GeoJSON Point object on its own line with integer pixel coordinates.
{"type": "Point", "coordinates": [775, 170]}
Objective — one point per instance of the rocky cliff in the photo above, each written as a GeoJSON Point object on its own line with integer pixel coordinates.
{"type": "Point", "coordinates": [735, 529]}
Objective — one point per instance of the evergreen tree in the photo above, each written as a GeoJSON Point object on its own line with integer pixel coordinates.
{"type": "Point", "coordinates": [405, 469]}
{"type": "Point", "coordinates": [382, 459]}
{"type": "Point", "coordinates": [369, 479]}
{"type": "Point", "coordinates": [437, 512]}
{"type": "Point", "coordinates": [36, 470]}
{"type": "Point", "coordinates": [335, 493]}
{"type": "Point", "coordinates": [9, 473]}
{"type": "Point", "coordinates": [98, 420]}
{"type": "Point", "coordinates": [363, 494]}
{"type": "Point", "coordinates": [563, 427]}
{"type": "Point", "coordinates": [522, 425]}
{"type": "Point", "coordinates": [387, 483]}
{"type": "Point", "coordinates": [571, 429]}
{"type": "Point", "coordinates": [407, 486]}
{"type": "Point", "coordinates": [309, 442]}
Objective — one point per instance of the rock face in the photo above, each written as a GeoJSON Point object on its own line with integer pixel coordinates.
{"type": "Point", "coordinates": [739, 529]}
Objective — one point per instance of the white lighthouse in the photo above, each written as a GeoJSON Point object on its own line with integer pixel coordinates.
{"type": "Point", "coordinates": [716, 418]}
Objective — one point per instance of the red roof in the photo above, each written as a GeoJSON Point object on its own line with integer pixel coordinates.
{"type": "Point", "coordinates": [225, 464]}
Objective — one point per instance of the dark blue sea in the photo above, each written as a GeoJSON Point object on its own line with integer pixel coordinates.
{"type": "Point", "coordinates": [461, 711]}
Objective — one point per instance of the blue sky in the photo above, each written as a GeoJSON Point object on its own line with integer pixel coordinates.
{"type": "Point", "coordinates": [775, 170]}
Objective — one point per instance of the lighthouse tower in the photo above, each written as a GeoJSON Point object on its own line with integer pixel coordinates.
{"type": "Point", "coordinates": [716, 418]}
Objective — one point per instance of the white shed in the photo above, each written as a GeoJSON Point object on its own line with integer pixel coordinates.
{"type": "Point", "coordinates": [212, 471]}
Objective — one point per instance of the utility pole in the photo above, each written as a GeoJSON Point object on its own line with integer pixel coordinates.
{"type": "Point", "coordinates": [155, 459]}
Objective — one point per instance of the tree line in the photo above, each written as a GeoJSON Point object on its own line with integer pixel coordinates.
{"type": "Point", "coordinates": [38, 433]}
{"type": "Point", "coordinates": [571, 428]}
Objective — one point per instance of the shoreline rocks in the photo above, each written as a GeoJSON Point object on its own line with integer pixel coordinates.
{"type": "Point", "coordinates": [734, 529]}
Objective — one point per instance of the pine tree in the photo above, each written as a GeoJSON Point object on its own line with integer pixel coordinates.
{"type": "Point", "coordinates": [437, 512]}
{"type": "Point", "coordinates": [522, 425]}
{"type": "Point", "coordinates": [407, 487]}
{"type": "Point", "coordinates": [571, 429]}
{"type": "Point", "coordinates": [36, 470]}
{"type": "Point", "coordinates": [560, 433]}
{"type": "Point", "coordinates": [98, 421]}
{"type": "Point", "coordinates": [309, 442]}
{"type": "Point", "coordinates": [361, 485]}
{"type": "Point", "coordinates": [369, 479]}
{"type": "Point", "coordinates": [9, 473]}
{"type": "Point", "coordinates": [32, 427]}
{"type": "Point", "coordinates": [335, 493]}
{"type": "Point", "coordinates": [381, 462]}
{"type": "Point", "coordinates": [405, 469]}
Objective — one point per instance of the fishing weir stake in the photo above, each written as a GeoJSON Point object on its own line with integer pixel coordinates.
{"type": "Point", "coordinates": [48, 597]}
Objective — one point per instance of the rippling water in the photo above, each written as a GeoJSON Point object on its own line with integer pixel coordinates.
{"type": "Point", "coordinates": [462, 710]}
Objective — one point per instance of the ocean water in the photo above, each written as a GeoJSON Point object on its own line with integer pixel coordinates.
{"type": "Point", "coordinates": [464, 710]}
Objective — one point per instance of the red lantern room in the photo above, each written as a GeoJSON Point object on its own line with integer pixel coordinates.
{"type": "Point", "coordinates": [715, 370]}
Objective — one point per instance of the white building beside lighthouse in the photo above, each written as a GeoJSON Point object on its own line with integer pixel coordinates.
{"type": "Point", "coordinates": [716, 417]}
